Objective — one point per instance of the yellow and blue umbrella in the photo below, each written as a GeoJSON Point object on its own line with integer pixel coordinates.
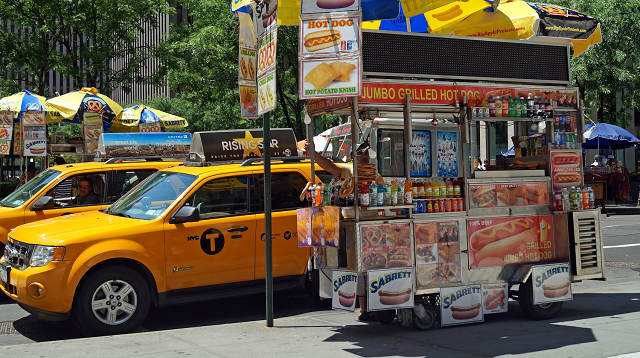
{"type": "Point", "coordinates": [87, 100]}
{"type": "Point", "coordinates": [131, 117]}
{"type": "Point", "coordinates": [24, 101]}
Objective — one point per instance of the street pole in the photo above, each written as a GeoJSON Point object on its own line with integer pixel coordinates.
{"type": "Point", "coordinates": [266, 143]}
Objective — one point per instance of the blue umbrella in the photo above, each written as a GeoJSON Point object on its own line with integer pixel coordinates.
{"type": "Point", "coordinates": [605, 135]}
{"type": "Point", "coordinates": [510, 152]}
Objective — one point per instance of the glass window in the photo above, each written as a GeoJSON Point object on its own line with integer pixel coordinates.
{"type": "Point", "coordinates": [149, 199]}
{"type": "Point", "coordinates": [390, 153]}
{"type": "Point", "coordinates": [31, 188]}
{"type": "Point", "coordinates": [124, 180]}
{"type": "Point", "coordinates": [79, 190]}
{"type": "Point", "coordinates": [285, 191]}
{"type": "Point", "coordinates": [221, 197]}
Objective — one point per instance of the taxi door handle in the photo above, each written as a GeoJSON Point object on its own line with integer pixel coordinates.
{"type": "Point", "coordinates": [238, 229]}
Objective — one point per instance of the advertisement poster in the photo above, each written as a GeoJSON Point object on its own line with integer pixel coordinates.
{"type": "Point", "coordinates": [551, 283]}
{"type": "Point", "coordinates": [33, 119]}
{"type": "Point", "coordinates": [318, 226]}
{"type": "Point", "coordinates": [437, 253]}
{"type": "Point", "coordinates": [508, 194]}
{"type": "Point", "coordinates": [248, 59]}
{"type": "Point", "coordinates": [495, 297]}
{"type": "Point", "coordinates": [153, 127]}
{"type": "Point", "coordinates": [389, 289]}
{"type": "Point", "coordinates": [344, 286]}
{"type": "Point", "coordinates": [447, 151]}
{"type": "Point", "coordinates": [92, 128]}
{"type": "Point", "coordinates": [17, 139]}
{"type": "Point", "coordinates": [6, 132]}
{"type": "Point", "coordinates": [511, 240]}
{"type": "Point", "coordinates": [420, 154]}
{"type": "Point", "coordinates": [330, 77]}
{"type": "Point", "coordinates": [144, 144]}
{"type": "Point", "coordinates": [386, 246]}
{"type": "Point", "coordinates": [461, 305]}
{"type": "Point", "coordinates": [34, 135]}
{"type": "Point", "coordinates": [330, 36]}
{"type": "Point", "coordinates": [266, 16]}
{"type": "Point", "coordinates": [247, 36]}
{"type": "Point", "coordinates": [566, 169]}
{"type": "Point", "coordinates": [267, 52]}
{"type": "Point", "coordinates": [308, 7]}
{"type": "Point", "coordinates": [248, 100]}
{"type": "Point", "coordinates": [267, 93]}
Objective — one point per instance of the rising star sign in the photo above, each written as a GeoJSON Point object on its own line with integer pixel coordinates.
{"type": "Point", "coordinates": [249, 144]}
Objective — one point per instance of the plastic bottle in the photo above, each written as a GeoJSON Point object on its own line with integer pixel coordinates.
{"type": "Point", "coordinates": [373, 194]}
{"type": "Point", "coordinates": [557, 200]}
{"type": "Point", "coordinates": [394, 193]}
{"type": "Point", "coordinates": [387, 194]}
{"type": "Point", "coordinates": [585, 198]}
{"type": "Point", "coordinates": [530, 106]}
{"type": "Point", "coordinates": [443, 189]}
{"type": "Point", "coordinates": [523, 107]}
{"type": "Point", "coordinates": [408, 193]}
{"type": "Point", "coordinates": [492, 107]}
{"type": "Point", "coordinates": [573, 199]}
{"type": "Point", "coordinates": [512, 107]}
{"type": "Point", "coordinates": [364, 195]}
{"type": "Point", "coordinates": [414, 190]}
{"type": "Point", "coordinates": [457, 191]}
{"type": "Point", "coordinates": [380, 194]}
{"type": "Point", "coordinates": [592, 199]}
{"type": "Point", "coordinates": [565, 199]}
{"type": "Point", "coordinates": [399, 193]}
{"type": "Point", "coordinates": [505, 106]}
{"type": "Point", "coordinates": [449, 186]}
{"type": "Point", "coordinates": [498, 102]}
{"type": "Point", "coordinates": [421, 190]}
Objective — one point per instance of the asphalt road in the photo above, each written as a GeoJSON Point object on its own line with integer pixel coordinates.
{"type": "Point", "coordinates": [614, 303]}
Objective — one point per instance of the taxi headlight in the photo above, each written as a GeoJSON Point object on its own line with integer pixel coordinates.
{"type": "Point", "coordinates": [42, 255]}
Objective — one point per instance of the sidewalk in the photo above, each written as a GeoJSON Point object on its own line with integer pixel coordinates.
{"type": "Point", "coordinates": [602, 320]}
{"type": "Point", "coordinates": [621, 209]}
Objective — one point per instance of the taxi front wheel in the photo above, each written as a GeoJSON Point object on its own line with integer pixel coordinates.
{"type": "Point", "coordinates": [111, 300]}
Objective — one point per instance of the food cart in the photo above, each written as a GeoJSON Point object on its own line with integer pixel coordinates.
{"type": "Point", "coordinates": [486, 236]}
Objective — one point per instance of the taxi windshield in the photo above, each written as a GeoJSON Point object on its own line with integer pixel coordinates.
{"type": "Point", "coordinates": [149, 199]}
{"type": "Point", "coordinates": [28, 190]}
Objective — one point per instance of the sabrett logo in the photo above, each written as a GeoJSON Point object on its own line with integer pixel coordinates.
{"type": "Point", "coordinates": [342, 280]}
{"type": "Point", "coordinates": [550, 272]}
{"type": "Point", "coordinates": [375, 285]}
{"type": "Point", "coordinates": [449, 300]}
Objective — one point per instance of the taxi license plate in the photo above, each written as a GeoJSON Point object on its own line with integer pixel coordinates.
{"type": "Point", "coordinates": [4, 273]}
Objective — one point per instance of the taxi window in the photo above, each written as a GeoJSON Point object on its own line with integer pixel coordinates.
{"type": "Point", "coordinates": [124, 180]}
{"type": "Point", "coordinates": [285, 191]}
{"type": "Point", "coordinates": [31, 188]}
{"type": "Point", "coordinates": [79, 190]}
{"type": "Point", "coordinates": [221, 197]}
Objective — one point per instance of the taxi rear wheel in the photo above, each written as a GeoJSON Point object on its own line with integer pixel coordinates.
{"type": "Point", "coordinates": [111, 300]}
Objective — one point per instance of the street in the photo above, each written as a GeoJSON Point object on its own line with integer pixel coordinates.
{"type": "Point", "coordinates": [601, 321]}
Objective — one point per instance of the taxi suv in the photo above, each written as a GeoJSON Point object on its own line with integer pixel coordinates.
{"type": "Point", "coordinates": [186, 233]}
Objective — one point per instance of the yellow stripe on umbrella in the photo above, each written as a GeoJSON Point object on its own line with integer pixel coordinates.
{"type": "Point", "coordinates": [87, 99]}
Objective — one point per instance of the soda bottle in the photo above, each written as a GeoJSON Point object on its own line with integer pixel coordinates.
{"type": "Point", "coordinates": [364, 195]}
{"type": "Point", "coordinates": [414, 190]}
{"type": "Point", "coordinates": [498, 102]}
{"type": "Point", "coordinates": [557, 200]}
{"type": "Point", "coordinates": [449, 186]}
{"type": "Point", "coordinates": [421, 190]}
{"type": "Point", "coordinates": [456, 189]}
{"type": "Point", "coordinates": [311, 195]}
{"type": "Point", "coordinates": [387, 194]}
{"type": "Point", "coordinates": [505, 107]}
{"type": "Point", "coordinates": [435, 190]}
{"type": "Point", "coordinates": [485, 107]}
{"type": "Point", "coordinates": [530, 106]}
{"type": "Point", "coordinates": [492, 107]}
{"type": "Point", "coordinates": [592, 197]}
{"type": "Point", "coordinates": [380, 196]}
{"type": "Point", "coordinates": [585, 198]}
{"type": "Point", "coordinates": [327, 195]}
{"type": "Point", "coordinates": [408, 194]}
{"type": "Point", "coordinates": [394, 193]}
{"type": "Point", "coordinates": [373, 194]}
{"type": "Point", "coordinates": [565, 199]}
{"type": "Point", "coordinates": [443, 189]}
{"type": "Point", "coordinates": [399, 193]}
{"type": "Point", "coordinates": [573, 198]}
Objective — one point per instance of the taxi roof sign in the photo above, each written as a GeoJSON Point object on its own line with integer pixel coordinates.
{"type": "Point", "coordinates": [241, 144]}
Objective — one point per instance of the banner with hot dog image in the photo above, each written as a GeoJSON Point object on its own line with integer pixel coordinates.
{"type": "Point", "coordinates": [308, 7]}
{"type": "Point", "coordinates": [511, 240]}
{"type": "Point", "coordinates": [344, 286]}
{"type": "Point", "coordinates": [461, 305]}
{"type": "Point", "coordinates": [330, 36]}
{"type": "Point", "coordinates": [92, 127]}
{"type": "Point", "coordinates": [566, 169]}
{"type": "Point", "coordinates": [34, 134]}
{"type": "Point", "coordinates": [336, 77]}
{"type": "Point", "coordinates": [495, 297]}
{"type": "Point", "coordinates": [6, 132]}
{"type": "Point", "coordinates": [386, 246]}
{"type": "Point", "coordinates": [551, 283]}
{"type": "Point", "coordinates": [508, 194]}
{"type": "Point", "coordinates": [389, 289]}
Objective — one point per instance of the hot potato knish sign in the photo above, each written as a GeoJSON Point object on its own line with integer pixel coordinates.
{"type": "Point", "coordinates": [389, 289]}
{"type": "Point", "coordinates": [460, 305]}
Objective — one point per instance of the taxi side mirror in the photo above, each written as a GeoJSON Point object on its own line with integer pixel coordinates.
{"type": "Point", "coordinates": [44, 203]}
{"type": "Point", "coordinates": [185, 214]}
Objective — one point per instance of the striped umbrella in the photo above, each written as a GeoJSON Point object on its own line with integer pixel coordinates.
{"type": "Point", "coordinates": [71, 105]}
{"type": "Point", "coordinates": [131, 117]}
{"type": "Point", "coordinates": [24, 101]}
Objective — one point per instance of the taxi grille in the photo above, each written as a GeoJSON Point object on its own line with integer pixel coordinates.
{"type": "Point", "coordinates": [17, 254]}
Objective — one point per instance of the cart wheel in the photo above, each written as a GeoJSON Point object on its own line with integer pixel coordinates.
{"type": "Point", "coordinates": [425, 317]}
{"type": "Point", "coordinates": [536, 312]}
{"type": "Point", "coordinates": [386, 317]}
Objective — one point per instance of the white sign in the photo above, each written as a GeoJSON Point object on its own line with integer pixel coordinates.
{"type": "Point", "coordinates": [247, 63]}
{"type": "Point", "coordinates": [267, 93]}
{"type": "Point", "coordinates": [551, 283]}
{"type": "Point", "coordinates": [247, 36]}
{"type": "Point", "coordinates": [34, 134]}
{"type": "Point", "coordinates": [322, 78]}
{"type": "Point", "coordinates": [495, 297]}
{"type": "Point", "coordinates": [325, 6]}
{"type": "Point", "coordinates": [344, 286]}
{"type": "Point", "coordinates": [330, 35]}
{"type": "Point", "coordinates": [267, 53]}
{"type": "Point", "coordinates": [92, 127]}
{"type": "Point", "coordinates": [389, 289]}
{"type": "Point", "coordinates": [461, 305]}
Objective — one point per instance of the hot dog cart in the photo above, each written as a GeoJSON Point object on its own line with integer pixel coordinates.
{"type": "Point", "coordinates": [488, 235]}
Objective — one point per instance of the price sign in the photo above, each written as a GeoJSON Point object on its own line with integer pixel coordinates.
{"type": "Point", "coordinates": [267, 52]}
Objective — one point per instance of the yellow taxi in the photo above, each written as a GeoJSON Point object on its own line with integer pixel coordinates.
{"type": "Point", "coordinates": [73, 188]}
{"type": "Point", "coordinates": [185, 233]}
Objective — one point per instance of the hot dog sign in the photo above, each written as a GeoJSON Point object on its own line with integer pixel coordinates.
{"type": "Point", "coordinates": [551, 283]}
{"type": "Point", "coordinates": [344, 285]}
{"type": "Point", "coordinates": [462, 304]}
{"type": "Point", "coordinates": [330, 35]}
{"type": "Point", "coordinates": [389, 289]}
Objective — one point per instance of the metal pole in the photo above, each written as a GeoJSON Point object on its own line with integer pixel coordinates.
{"type": "Point", "coordinates": [408, 128]}
{"type": "Point", "coordinates": [354, 141]}
{"type": "Point", "coordinates": [266, 140]}
{"type": "Point", "coordinates": [312, 145]}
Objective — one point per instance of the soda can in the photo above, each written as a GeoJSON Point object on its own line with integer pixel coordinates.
{"type": "Point", "coordinates": [460, 204]}
{"type": "Point", "coordinates": [421, 207]}
{"type": "Point", "coordinates": [447, 205]}
{"type": "Point", "coordinates": [429, 206]}
{"type": "Point", "coordinates": [454, 205]}
{"type": "Point", "coordinates": [436, 205]}
{"type": "Point", "coordinates": [415, 208]}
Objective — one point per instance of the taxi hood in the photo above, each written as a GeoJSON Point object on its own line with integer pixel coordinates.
{"type": "Point", "coordinates": [75, 228]}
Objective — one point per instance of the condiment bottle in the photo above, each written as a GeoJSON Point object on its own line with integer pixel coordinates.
{"type": "Point", "coordinates": [443, 189]}
{"type": "Point", "coordinates": [456, 188]}
{"type": "Point", "coordinates": [408, 192]}
{"type": "Point", "coordinates": [421, 190]}
{"type": "Point", "coordinates": [428, 189]}
{"type": "Point", "coordinates": [449, 186]}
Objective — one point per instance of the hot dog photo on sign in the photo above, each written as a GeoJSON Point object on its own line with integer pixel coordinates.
{"type": "Point", "coordinates": [335, 35]}
{"type": "Point", "coordinates": [551, 283]}
{"type": "Point", "coordinates": [387, 289]}
{"type": "Point", "coordinates": [344, 286]}
{"type": "Point", "coordinates": [495, 297]}
{"type": "Point", "coordinates": [566, 167]}
{"type": "Point", "coordinates": [460, 305]}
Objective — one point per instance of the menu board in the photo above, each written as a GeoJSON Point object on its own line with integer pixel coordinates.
{"type": "Point", "coordinates": [6, 132]}
{"type": "Point", "coordinates": [551, 283]}
{"type": "Point", "coordinates": [511, 240]}
{"type": "Point", "coordinates": [437, 253]}
{"type": "Point", "coordinates": [385, 246]}
{"type": "Point", "coordinates": [344, 286]}
{"type": "Point", "coordinates": [92, 127]}
{"type": "Point", "coordinates": [460, 305]}
{"type": "Point", "coordinates": [447, 154]}
{"type": "Point", "coordinates": [566, 169]}
{"type": "Point", "coordinates": [508, 194]}
{"type": "Point", "coordinates": [420, 154]}
{"type": "Point", "coordinates": [34, 134]}
{"type": "Point", "coordinates": [495, 297]}
{"type": "Point", "coordinates": [389, 289]}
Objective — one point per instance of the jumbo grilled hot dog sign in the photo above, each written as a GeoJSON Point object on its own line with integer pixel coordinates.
{"type": "Point", "coordinates": [344, 285]}
{"type": "Point", "coordinates": [551, 283]}
{"type": "Point", "coordinates": [389, 289]}
{"type": "Point", "coordinates": [462, 304]}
